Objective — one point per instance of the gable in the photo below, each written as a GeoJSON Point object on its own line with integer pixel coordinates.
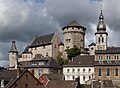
{"type": "Point", "coordinates": [26, 80]}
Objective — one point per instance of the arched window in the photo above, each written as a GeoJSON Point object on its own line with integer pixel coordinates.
{"type": "Point", "coordinates": [116, 72]}
{"type": "Point", "coordinates": [108, 57]}
{"type": "Point", "coordinates": [99, 72]}
{"type": "Point", "coordinates": [99, 39]}
{"type": "Point", "coordinates": [102, 39]}
{"type": "Point", "coordinates": [108, 71]}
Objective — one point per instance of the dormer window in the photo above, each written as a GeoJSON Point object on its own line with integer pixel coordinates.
{"type": "Point", "coordinates": [34, 63]}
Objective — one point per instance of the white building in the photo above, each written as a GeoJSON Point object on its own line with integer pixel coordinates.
{"type": "Point", "coordinates": [81, 66]}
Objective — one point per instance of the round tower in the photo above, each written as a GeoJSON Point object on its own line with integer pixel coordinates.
{"type": "Point", "coordinates": [13, 56]}
{"type": "Point", "coordinates": [74, 35]}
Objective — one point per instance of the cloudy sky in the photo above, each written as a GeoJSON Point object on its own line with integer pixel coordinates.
{"type": "Point", "coordinates": [20, 20]}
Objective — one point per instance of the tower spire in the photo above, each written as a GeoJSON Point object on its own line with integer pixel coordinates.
{"type": "Point", "coordinates": [101, 25]}
{"type": "Point", "coordinates": [13, 47]}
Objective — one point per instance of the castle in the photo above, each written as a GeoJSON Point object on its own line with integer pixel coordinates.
{"type": "Point", "coordinates": [105, 62]}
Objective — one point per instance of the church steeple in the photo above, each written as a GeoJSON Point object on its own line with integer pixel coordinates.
{"type": "Point", "coordinates": [101, 34]}
{"type": "Point", "coordinates": [101, 26]}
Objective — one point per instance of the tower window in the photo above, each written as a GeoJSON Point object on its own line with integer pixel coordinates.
{"type": "Point", "coordinates": [102, 39]}
{"type": "Point", "coordinates": [99, 39]}
{"type": "Point", "coordinates": [67, 47]}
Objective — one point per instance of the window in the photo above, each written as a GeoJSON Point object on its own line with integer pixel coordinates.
{"type": "Point", "coordinates": [83, 78]}
{"type": "Point", "coordinates": [102, 39]}
{"type": "Point", "coordinates": [99, 39]}
{"type": "Point", "coordinates": [108, 57]}
{"type": "Point", "coordinates": [116, 57]}
{"type": "Point", "coordinates": [26, 76]}
{"type": "Point", "coordinates": [67, 40]}
{"type": "Point", "coordinates": [100, 58]}
{"type": "Point", "coordinates": [68, 77]}
{"type": "Point", "coordinates": [89, 69]}
{"type": "Point", "coordinates": [116, 72]}
{"type": "Point", "coordinates": [83, 70]}
{"type": "Point", "coordinates": [67, 47]}
{"type": "Point", "coordinates": [99, 72]}
{"type": "Point", "coordinates": [73, 77]}
{"type": "Point", "coordinates": [108, 71]}
{"type": "Point", "coordinates": [89, 77]}
{"type": "Point", "coordinates": [55, 46]}
{"type": "Point", "coordinates": [26, 85]}
{"type": "Point", "coordinates": [68, 70]}
{"type": "Point", "coordinates": [73, 70]}
{"type": "Point", "coordinates": [92, 48]}
{"type": "Point", "coordinates": [78, 70]}
{"type": "Point", "coordinates": [37, 84]}
{"type": "Point", "coordinates": [46, 53]}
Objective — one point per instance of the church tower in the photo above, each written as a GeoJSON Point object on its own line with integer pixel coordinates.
{"type": "Point", "coordinates": [74, 35]}
{"type": "Point", "coordinates": [13, 56]}
{"type": "Point", "coordinates": [101, 34]}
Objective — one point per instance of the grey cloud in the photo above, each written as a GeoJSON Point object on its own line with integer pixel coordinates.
{"type": "Point", "coordinates": [20, 20]}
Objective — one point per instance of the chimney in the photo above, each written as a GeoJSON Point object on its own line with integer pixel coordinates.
{"type": "Point", "coordinates": [18, 72]}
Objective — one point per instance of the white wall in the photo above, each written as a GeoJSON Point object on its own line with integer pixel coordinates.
{"type": "Point", "coordinates": [84, 71]}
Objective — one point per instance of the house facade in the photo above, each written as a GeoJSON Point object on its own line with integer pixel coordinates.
{"type": "Point", "coordinates": [81, 66]}
{"type": "Point", "coordinates": [41, 65]}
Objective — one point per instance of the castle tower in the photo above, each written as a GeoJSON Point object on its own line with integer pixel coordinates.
{"type": "Point", "coordinates": [74, 35]}
{"type": "Point", "coordinates": [101, 34]}
{"type": "Point", "coordinates": [13, 56]}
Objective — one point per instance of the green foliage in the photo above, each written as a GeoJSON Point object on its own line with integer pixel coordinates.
{"type": "Point", "coordinates": [61, 60]}
{"type": "Point", "coordinates": [72, 52]}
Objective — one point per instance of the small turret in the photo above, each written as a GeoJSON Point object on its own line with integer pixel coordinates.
{"type": "Point", "coordinates": [13, 56]}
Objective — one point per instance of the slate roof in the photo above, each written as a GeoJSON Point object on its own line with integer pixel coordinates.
{"type": "Point", "coordinates": [13, 47]}
{"type": "Point", "coordinates": [74, 23]}
{"type": "Point", "coordinates": [54, 76]}
{"type": "Point", "coordinates": [42, 40]}
{"type": "Point", "coordinates": [20, 76]}
{"type": "Point", "coordinates": [8, 74]}
{"type": "Point", "coordinates": [61, 84]}
{"type": "Point", "coordinates": [61, 43]}
{"type": "Point", "coordinates": [26, 50]}
{"type": "Point", "coordinates": [107, 63]}
{"type": "Point", "coordinates": [81, 61]}
{"type": "Point", "coordinates": [49, 63]}
{"type": "Point", "coordinates": [109, 50]}
{"type": "Point", "coordinates": [101, 32]}
{"type": "Point", "coordinates": [105, 84]}
{"type": "Point", "coordinates": [92, 44]}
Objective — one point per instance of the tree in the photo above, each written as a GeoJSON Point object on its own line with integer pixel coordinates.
{"type": "Point", "coordinates": [72, 52]}
{"type": "Point", "coordinates": [61, 60]}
